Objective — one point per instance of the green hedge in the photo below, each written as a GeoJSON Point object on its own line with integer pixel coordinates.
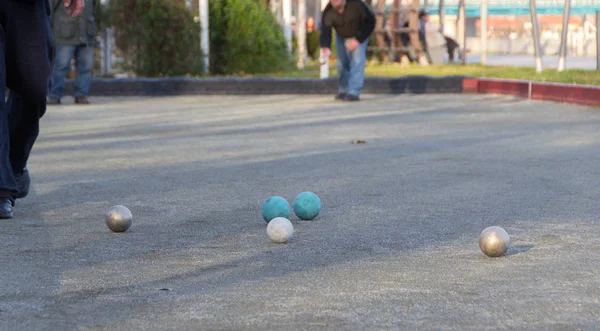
{"type": "Point", "coordinates": [156, 37]}
{"type": "Point", "coordinates": [160, 38]}
{"type": "Point", "coordinates": [245, 38]}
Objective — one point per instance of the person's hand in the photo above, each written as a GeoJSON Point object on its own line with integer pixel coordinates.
{"type": "Point", "coordinates": [352, 44]}
{"type": "Point", "coordinates": [74, 7]}
{"type": "Point", "coordinates": [325, 52]}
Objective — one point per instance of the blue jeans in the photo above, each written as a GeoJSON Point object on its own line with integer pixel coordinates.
{"type": "Point", "coordinates": [351, 66]}
{"type": "Point", "coordinates": [84, 56]}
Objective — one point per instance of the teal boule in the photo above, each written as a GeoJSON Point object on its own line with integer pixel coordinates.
{"type": "Point", "coordinates": [275, 206]}
{"type": "Point", "coordinates": [307, 205]}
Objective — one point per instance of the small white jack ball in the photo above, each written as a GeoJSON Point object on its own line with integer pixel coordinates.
{"type": "Point", "coordinates": [280, 230]}
{"type": "Point", "coordinates": [119, 218]}
{"type": "Point", "coordinates": [494, 241]}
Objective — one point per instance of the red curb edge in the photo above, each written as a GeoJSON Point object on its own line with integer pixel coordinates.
{"type": "Point", "coordinates": [470, 85]}
{"type": "Point", "coordinates": [564, 93]}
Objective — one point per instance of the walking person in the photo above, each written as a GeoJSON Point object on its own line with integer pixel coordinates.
{"type": "Point", "coordinates": [353, 22]}
{"type": "Point", "coordinates": [26, 52]}
{"type": "Point", "coordinates": [75, 37]}
{"type": "Point", "coordinates": [423, 21]}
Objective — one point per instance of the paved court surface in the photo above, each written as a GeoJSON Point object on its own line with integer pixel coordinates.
{"type": "Point", "coordinates": [395, 246]}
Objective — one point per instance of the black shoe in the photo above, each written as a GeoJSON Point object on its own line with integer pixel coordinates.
{"type": "Point", "coordinates": [340, 96]}
{"type": "Point", "coordinates": [82, 100]}
{"type": "Point", "coordinates": [351, 97]}
{"type": "Point", "coordinates": [23, 181]}
{"type": "Point", "coordinates": [6, 208]}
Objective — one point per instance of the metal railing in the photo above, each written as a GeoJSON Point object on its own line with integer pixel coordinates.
{"type": "Point", "coordinates": [515, 7]}
{"type": "Point", "coordinates": [519, 3]}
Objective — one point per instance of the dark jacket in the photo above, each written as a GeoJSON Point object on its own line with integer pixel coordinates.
{"type": "Point", "coordinates": [357, 21]}
{"type": "Point", "coordinates": [73, 31]}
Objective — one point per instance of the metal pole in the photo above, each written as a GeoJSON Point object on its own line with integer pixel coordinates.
{"type": "Point", "coordinates": [204, 33]}
{"type": "Point", "coordinates": [103, 56]}
{"type": "Point", "coordinates": [287, 23]}
{"type": "Point", "coordinates": [536, 36]}
{"type": "Point", "coordinates": [598, 40]}
{"type": "Point", "coordinates": [442, 16]}
{"type": "Point", "coordinates": [108, 55]}
{"type": "Point", "coordinates": [301, 35]}
{"type": "Point", "coordinates": [103, 59]}
{"type": "Point", "coordinates": [317, 12]}
{"type": "Point", "coordinates": [483, 26]}
{"type": "Point", "coordinates": [563, 38]}
{"type": "Point", "coordinates": [462, 11]}
{"type": "Point", "coordinates": [324, 72]}
{"type": "Point", "coordinates": [458, 28]}
{"type": "Point", "coordinates": [107, 49]}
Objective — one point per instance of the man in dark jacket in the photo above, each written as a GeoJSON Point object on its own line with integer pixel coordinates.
{"type": "Point", "coordinates": [353, 22]}
{"type": "Point", "coordinates": [74, 37]}
{"type": "Point", "coordinates": [26, 51]}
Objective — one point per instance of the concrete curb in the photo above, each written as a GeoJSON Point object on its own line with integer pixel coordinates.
{"type": "Point", "coordinates": [264, 86]}
{"type": "Point", "coordinates": [564, 93]}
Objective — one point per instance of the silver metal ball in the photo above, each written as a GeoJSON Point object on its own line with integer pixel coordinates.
{"type": "Point", "coordinates": [494, 241]}
{"type": "Point", "coordinates": [119, 218]}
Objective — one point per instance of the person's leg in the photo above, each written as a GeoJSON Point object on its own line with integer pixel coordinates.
{"type": "Point", "coordinates": [29, 61]}
{"type": "Point", "coordinates": [450, 51]}
{"type": "Point", "coordinates": [343, 66]}
{"type": "Point", "coordinates": [85, 60]}
{"type": "Point", "coordinates": [358, 61]}
{"type": "Point", "coordinates": [7, 181]}
{"type": "Point", "coordinates": [24, 130]}
{"type": "Point", "coordinates": [450, 47]}
{"type": "Point", "coordinates": [62, 65]}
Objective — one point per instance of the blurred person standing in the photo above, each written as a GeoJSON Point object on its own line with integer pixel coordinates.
{"type": "Point", "coordinates": [75, 37]}
{"type": "Point", "coordinates": [353, 22]}
{"type": "Point", "coordinates": [423, 21]}
{"type": "Point", "coordinates": [310, 24]}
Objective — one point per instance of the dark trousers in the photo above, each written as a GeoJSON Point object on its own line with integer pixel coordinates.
{"type": "Point", "coordinates": [26, 53]}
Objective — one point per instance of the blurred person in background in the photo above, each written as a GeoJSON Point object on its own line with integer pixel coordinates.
{"type": "Point", "coordinates": [310, 24]}
{"type": "Point", "coordinates": [75, 37]}
{"type": "Point", "coordinates": [353, 22]}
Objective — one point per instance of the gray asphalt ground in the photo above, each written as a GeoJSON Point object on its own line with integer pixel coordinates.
{"type": "Point", "coordinates": [395, 246]}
